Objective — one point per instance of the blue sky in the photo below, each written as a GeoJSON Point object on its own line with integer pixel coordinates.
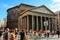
{"type": "Point", "coordinates": [53, 5]}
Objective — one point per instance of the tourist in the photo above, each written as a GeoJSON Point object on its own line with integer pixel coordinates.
{"type": "Point", "coordinates": [26, 31]}
{"type": "Point", "coordinates": [48, 31]}
{"type": "Point", "coordinates": [22, 34]}
{"type": "Point", "coordinates": [58, 32]}
{"type": "Point", "coordinates": [52, 33]}
{"type": "Point", "coordinates": [13, 35]}
{"type": "Point", "coordinates": [7, 34]}
{"type": "Point", "coordinates": [42, 33]}
{"type": "Point", "coordinates": [45, 33]}
{"type": "Point", "coordinates": [0, 34]}
{"type": "Point", "coordinates": [16, 33]}
{"type": "Point", "coordinates": [25, 36]}
{"type": "Point", "coordinates": [37, 35]}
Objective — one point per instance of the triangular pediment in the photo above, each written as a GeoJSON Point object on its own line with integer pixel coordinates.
{"type": "Point", "coordinates": [43, 9]}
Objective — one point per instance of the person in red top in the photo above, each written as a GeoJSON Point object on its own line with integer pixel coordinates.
{"type": "Point", "coordinates": [42, 33]}
{"type": "Point", "coordinates": [13, 35]}
{"type": "Point", "coordinates": [52, 33]}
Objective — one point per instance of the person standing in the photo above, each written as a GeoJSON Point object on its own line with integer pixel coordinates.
{"type": "Point", "coordinates": [48, 31]}
{"type": "Point", "coordinates": [22, 34]}
{"type": "Point", "coordinates": [13, 35]}
{"type": "Point", "coordinates": [37, 35]}
{"type": "Point", "coordinates": [58, 32]}
{"type": "Point", "coordinates": [6, 34]}
{"type": "Point", "coordinates": [0, 34]}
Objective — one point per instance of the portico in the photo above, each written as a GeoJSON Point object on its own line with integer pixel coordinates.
{"type": "Point", "coordinates": [35, 19]}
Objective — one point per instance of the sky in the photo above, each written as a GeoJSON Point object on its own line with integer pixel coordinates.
{"type": "Point", "coordinates": [53, 5]}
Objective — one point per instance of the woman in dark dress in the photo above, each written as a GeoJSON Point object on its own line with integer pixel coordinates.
{"type": "Point", "coordinates": [22, 34]}
{"type": "Point", "coordinates": [58, 32]}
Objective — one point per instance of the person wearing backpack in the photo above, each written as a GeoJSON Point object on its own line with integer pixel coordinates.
{"type": "Point", "coordinates": [58, 32]}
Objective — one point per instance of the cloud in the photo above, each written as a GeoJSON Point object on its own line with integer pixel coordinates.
{"type": "Point", "coordinates": [6, 5]}
{"type": "Point", "coordinates": [55, 7]}
{"type": "Point", "coordinates": [56, 0]}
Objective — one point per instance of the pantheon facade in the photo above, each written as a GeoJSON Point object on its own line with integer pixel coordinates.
{"type": "Point", "coordinates": [37, 18]}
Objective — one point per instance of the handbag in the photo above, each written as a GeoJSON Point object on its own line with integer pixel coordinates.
{"type": "Point", "coordinates": [25, 37]}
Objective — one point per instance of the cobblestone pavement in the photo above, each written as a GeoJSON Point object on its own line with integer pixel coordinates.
{"type": "Point", "coordinates": [55, 37]}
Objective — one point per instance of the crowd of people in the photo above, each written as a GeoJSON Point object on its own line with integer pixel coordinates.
{"type": "Point", "coordinates": [10, 34]}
